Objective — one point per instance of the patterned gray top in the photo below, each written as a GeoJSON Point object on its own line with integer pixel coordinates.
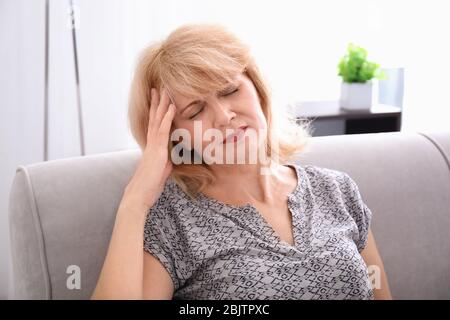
{"type": "Point", "coordinates": [214, 250]}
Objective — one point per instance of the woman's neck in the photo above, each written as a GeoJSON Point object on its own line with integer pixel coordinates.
{"type": "Point", "coordinates": [243, 184]}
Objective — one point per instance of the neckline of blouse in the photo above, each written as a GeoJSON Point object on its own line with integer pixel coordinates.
{"type": "Point", "coordinates": [291, 197]}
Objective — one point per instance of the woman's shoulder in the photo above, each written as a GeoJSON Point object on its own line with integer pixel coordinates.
{"type": "Point", "coordinates": [318, 174]}
{"type": "Point", "coordinates": [170, 197]}
{"type": "Point", "coordinates": [334, 183]}
{"type": "Point", "coordinates": [329, 179]}
{"type": "Point", "coordinates": [174, 203]}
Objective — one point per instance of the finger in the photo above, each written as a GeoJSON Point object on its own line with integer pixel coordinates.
{"type": "Point", "coordinates": [154, 103]}
{"type": "Point", "coordinates": [166, 122]}
{"type": "Point", "coordinates": [168, 169]}
{"type": "Point", "coordinates": [163, 105]}
{"type": "Point", "coordinates": [152, 112]}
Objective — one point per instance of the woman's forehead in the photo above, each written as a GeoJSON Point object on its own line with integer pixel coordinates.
{"type": "Point", "coordinates": [193, 95]}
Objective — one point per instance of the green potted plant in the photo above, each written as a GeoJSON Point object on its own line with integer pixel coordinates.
{"type": "Point", "coordinates": [357, 74]}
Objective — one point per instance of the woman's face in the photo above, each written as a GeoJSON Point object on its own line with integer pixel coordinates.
{"type": "Point", "coordinates": [235, 106]}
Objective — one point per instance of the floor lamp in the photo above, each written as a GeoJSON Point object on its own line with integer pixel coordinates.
{"type": "Point", "coordinates": [77, 78]}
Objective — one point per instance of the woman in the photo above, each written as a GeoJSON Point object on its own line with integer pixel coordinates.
{"type": "Point", "coordinates": [224, 229]}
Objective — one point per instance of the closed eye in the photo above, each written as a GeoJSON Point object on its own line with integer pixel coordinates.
{"type": "Point", "coordinates": [194, 115]}
{"type": "Point", "coordinates": [201, 109]}
{"type": "Point", "coordinates": [229, 93]}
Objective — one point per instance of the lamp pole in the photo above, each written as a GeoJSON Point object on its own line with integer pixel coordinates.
{"type": "Point", "coordinates": [77, 78]}
{"type": "Point", "coordinates": [46, 82]}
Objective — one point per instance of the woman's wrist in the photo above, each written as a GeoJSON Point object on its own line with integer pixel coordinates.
{"type": "Point", "coordinates": [136, 195]}
{"type": "Point", "coordinates": [134, 205]}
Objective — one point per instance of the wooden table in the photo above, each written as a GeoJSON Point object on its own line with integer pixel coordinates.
{"type": "Point", "coordinates": [328, 118]}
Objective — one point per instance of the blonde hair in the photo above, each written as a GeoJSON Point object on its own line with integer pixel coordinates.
{"type": "Point", "coordinates": [194, 60]}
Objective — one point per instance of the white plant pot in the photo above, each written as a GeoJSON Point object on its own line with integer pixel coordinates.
{"type": "Point", "coordinates": [356, 96]}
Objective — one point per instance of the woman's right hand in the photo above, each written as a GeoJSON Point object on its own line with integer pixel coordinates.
{"type": "Point", "coordinates": [155, 166]}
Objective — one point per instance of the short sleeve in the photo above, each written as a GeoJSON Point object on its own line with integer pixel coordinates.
{"type": "Point", "coordinates": [160, 240]}
{"type": "Point", "coordinates": [359, 211]}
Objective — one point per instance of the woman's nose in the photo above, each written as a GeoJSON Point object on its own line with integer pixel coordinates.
{"type": "Point", "coordinates": [223, 114]}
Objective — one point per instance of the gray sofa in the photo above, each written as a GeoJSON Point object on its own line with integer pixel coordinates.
{"type": "Point", "coordinates": [62, 212]}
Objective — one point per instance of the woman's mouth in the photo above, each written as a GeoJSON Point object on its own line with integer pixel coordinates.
{"type": "Point", "coordinates": [236, 136]}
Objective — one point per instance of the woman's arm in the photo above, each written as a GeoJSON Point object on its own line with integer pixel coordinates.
{"type": "Point", "coordinates": [122, 273]}
{"type": "Point", "coordinates": [128, 271]}
{"type": "Point", "coordinates": [373, 261]}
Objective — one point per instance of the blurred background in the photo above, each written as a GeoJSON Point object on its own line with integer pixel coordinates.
{"type": "Point", "coordinates": [297, 43]}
